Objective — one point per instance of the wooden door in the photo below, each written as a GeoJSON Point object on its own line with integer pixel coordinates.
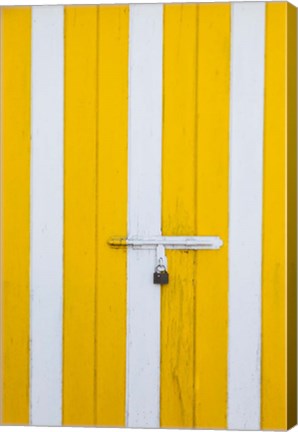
{"type": "Point", "coordinates": [149, 124]}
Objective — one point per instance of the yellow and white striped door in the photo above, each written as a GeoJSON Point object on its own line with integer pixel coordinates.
{"type": "Point", "coordinates": [129, 131]}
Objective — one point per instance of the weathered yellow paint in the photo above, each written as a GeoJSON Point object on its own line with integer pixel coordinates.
{"type": "Point", "coordinates": [273, 369]}
{"type": "Point", "coordinates": [178, 214]}
{"type": "Point", "coordinates": [212, 189]}
{"type": "Point", "coordinates": [79, 215]}
{"type": "Point", "coordinates": [291, 216]}
{"type": "Point", "coordinates": [15, 146]}
{"type": "Point", "coordinates": [112, 155]}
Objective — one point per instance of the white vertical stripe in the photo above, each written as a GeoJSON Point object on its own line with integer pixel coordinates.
{"type": "Point", "coordinates": [245, 226]}
{"type": "Point", "coordinates": [46, 215]}
{"type": "Point", "coordinates": [144, 214]}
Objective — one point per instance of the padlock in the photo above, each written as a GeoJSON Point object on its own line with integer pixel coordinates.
{"type": "Point", "coordinates": [160, 276]}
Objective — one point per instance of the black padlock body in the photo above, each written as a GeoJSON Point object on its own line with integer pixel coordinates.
{"type": "Point", "coordinates": [161, 278]}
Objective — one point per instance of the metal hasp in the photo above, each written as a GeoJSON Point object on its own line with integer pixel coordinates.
{"type": "Point", "coordinates": [168, 242]}
{"type": "Point", "coordinates": [160, 243]}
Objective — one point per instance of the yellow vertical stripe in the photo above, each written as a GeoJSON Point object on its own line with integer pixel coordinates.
{"type": "Point", "coordinates": [211, 330]}
{"type": "Point", "coordinates": [112, 119]}
{"type": "Point", "coordinates": [178, 214]}
{"type": "Point", "coordinates": [291, 216]}
{"type": "Point", "coordinates": [1, 211]}
{"type": "Point", "coordinates": [15, 143]}
{"type": "Point", "coordinates": [273, 368]}
{"type": "Point", "coordinates": [79, 215]}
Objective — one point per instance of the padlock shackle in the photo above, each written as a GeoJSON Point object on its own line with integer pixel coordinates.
{"type": "Point", "coordinates": [160, 268]}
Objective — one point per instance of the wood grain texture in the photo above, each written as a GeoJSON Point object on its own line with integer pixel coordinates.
{"type": "Point", "coordinates": [112, 143]}
{"type": "Point", "coordinates": [15, 239]}
{"type": "Point", "coordinates": [80, 142]}
{"type": "Point", "coordinates": [178, 214]}
{"type": "Point", "coordinates": [212, 190]}
{"type": "Point", "coordinates": [273, 372]}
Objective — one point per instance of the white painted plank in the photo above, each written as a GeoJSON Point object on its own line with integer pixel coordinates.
{"type": "Point", "coordinates": [46, 215]}
{"type": "Point", "coordinates": [144, 214]}
{"type": "Point", "coordinates": [245, 209]}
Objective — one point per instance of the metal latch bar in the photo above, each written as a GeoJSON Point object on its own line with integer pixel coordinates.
{"type": "Point", "coordinates": [175, 242]}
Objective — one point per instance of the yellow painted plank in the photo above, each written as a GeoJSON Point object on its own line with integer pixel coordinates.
{"type": "Point", "coordinates": [273, 367]}
{"type": "Point", "coordinates": [1, 207]}
{"type": "Point", "coordinates": [15, 146]}
{"type": "Point", "coordinates": [178, 214]}
{"type": "Point", "coordinates": [79, 215]}
{"type": "Point", "coordinates": [291, 216]}
{"type": "Point", "coordinates": [112, 119]}
{"type": "Point", "coordinates": [212, 183]}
